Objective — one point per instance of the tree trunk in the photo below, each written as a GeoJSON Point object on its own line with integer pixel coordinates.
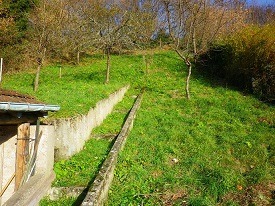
{"type": "Point", "coordinates": [194, 41]}
{"type": "Point", "coordinates": [40, 61]}
{"type": "Point", "coordinates": [108, 67]}
{"type": "Point", "coordinates": [168, 18]}
{"type": "Point", "coordinates": [36, 81]}
{"type": "Point", "coordinates": [188, 63]}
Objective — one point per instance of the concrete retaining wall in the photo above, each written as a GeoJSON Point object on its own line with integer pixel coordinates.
{"type": "Point", "coordinates": [72, 133]}
{"type": "Point", "coordinates": [7, 159]}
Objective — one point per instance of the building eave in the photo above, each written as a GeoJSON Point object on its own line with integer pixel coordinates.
{"type": "Point", "coordinates": [27, 107]}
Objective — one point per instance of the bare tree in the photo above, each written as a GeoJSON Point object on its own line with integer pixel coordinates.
{"type": "Point", "coordinates": [261, 14]}
{"type": "Point", "coordinates": [194, 24]}
{"type": "Point", "coordinates": [45, 20]}
{"type": "Point", "coordinates": [114, 25]}
{"type": "Point", "coordinates": [73, 35]}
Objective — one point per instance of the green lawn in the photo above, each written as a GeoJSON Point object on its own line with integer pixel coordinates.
{"type": "Point", "coordinates": [80, 87]}
{"type": "Point", "coordinates": [216, 149]}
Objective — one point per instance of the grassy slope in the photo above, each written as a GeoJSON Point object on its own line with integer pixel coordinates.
{"type": "Point", "coordinates": [223, 140]}
{"type": "Point", "coordinates": [81, 169]}
{"type": "Point", "coordinates": [80, 86]}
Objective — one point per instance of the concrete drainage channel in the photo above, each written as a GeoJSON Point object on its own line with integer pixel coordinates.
{"type": "Point", "coordinates": [97, 193]}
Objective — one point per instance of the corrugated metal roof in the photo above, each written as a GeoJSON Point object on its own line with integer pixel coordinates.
{"type": "Point", "coordinates": [27, 107]}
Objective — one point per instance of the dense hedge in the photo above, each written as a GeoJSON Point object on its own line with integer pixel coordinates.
{"type": "Point", "coordinates": [246, 60]}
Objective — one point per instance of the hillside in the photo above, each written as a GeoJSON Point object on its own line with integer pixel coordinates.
{"type": "Point", "coordinates": [216, 149]}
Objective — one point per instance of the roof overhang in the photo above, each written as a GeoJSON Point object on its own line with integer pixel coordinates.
{"type": "Point", "coordinates": [26, 107]}
{"type": "Point", "coordinates": [12, 113]}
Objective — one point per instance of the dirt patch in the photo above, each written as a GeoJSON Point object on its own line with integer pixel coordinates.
{"type": "Point", "coordinates": [177, 198]}
{"type": "Point", "coordinates": [260, 195]}
{"type": "Point", "coordinates": [13, 96]}
{"type": "Point", "coordinates": [168, 198]}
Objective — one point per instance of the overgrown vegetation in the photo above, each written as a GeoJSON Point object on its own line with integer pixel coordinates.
{"type": "Point", "coordinates": [246, 60]}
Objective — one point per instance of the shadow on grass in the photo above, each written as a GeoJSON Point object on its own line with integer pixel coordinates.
{"type": "Point", "coordinates": [82, 196]}
{"type": "Point", "coordinates": [84, 193]}
{"type": "Point", "coordinates": [95, 76]}
{"type": "Point", "coordinates": [208, 79]}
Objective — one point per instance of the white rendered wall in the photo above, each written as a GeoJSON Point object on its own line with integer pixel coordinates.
{"type": "Point", "coordinates": [71, 134]}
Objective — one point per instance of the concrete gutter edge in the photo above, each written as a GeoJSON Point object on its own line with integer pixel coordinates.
{"type": "Point", "coordinates": [98, 192]}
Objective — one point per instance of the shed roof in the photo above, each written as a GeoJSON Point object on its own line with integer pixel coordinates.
{"type": "Point", "coordinates": [13, 96]}
{"type": "Point", "coordinates": [18, 108]}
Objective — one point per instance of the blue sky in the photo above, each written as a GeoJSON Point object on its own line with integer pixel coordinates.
{"type": "Point", "coordinates": [262, 2]}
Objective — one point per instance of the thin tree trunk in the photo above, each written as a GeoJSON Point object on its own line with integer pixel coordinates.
{"type": "Point", "coordinates": [188, 79]}
{"type": "Point", "coordinates": [108, 67]}
{"type": "Point", "coordinates": [194, 41]}
{"type": "Point", "coordinates": [40, 61]}
{"type": "Point", "coordinates": [166, 6]}
{"type": "Point", "coordinates": [36, 81]}
{"type": "Point", "coordinates": [189, 65]}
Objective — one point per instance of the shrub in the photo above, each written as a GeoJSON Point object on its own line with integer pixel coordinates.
{"type": "Point", "coordinates": [246, 60]}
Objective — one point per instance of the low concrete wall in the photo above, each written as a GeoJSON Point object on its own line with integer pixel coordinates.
{"type": "Point", "coordinates": [98, 192]}
{"type": "Point", "coordinates": [72, 133]}
{"type": "Point", "coordinates": [45, 153]}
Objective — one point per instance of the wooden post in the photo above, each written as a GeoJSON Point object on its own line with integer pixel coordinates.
{"type": "Point", "coordinates": [60, 72]}
{"type": "Point", "coordinates": [22, 152]}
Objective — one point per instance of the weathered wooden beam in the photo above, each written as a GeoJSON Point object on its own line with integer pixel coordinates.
{"type": "Point", "coordinates": [22, 152]}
